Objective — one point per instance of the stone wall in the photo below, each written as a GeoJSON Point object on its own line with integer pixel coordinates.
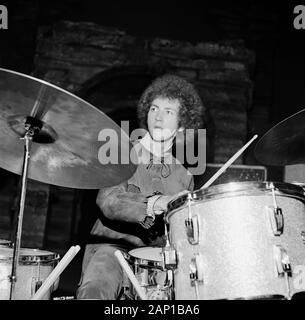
{"type": "Point", "coordinates": [69, 54]}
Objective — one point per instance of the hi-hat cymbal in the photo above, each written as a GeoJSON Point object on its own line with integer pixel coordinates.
{"type": "Point", "coordinates": [67, 151]}
{"type": "Point", "coordinates": [283, 144]}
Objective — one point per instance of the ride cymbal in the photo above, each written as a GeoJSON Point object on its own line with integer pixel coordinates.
{"type": "Point", "coordinates": [66, 150]}
{"type": "Point", "coordinates": [283, 144]}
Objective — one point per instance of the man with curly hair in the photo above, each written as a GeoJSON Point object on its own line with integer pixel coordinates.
{"type": "Point", "coordinates": [131, 214]}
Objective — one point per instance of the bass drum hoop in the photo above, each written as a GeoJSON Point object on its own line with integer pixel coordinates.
{"type": "Point", "coordinates": [236, 189]}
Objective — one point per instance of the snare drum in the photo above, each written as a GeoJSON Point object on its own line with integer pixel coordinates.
{"type": "Point", "coordinates": [148, 269]}
{"type": "Point", "coordinates": [243, 240]}
{"type": "Point", "coordinates": [34, 267]}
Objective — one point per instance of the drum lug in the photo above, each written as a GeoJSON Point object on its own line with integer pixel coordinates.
{"type": "Point", "coordinates": [36, 284]}
{"type": "Point", "coordinates": [282, 262]}
{"type": "Point", "coordinates": [196, 270]}
{"type": "Point", "coordinates": [276, 220]}
{"type": "Point", "coordinates": [283, 267]}
{"type": "Point", "coordinates": [192, 229]}
{"type": "Point", "coordinates": [169, 257]}
{"type": "Point", "coordinates": [276, 217]}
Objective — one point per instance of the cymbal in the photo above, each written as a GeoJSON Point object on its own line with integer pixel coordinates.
{"type": "Point", "coordinates": [283, 144]}
{"type": "Point", "coordinates": [66, 151]}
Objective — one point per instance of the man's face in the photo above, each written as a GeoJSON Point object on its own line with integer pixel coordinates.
{"type": "Point", "coordinates": [163, 118]}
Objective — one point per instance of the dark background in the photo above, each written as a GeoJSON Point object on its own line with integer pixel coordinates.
{"type": "Point", "coordinates": [266, 27]}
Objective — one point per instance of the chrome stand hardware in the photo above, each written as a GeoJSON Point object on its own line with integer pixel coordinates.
{"type": "Point", "coordinates": [192, 230]}
{"type": "Point", "coordinates": [36, 284]}
{"type": "Point", "coordinates": [196, 273]}
{"type": "Point", "coordinates": [275, 214]}
{"type": "Point", "coordinates": [169, 258]}
{"type": "Point", "coordinates": [283, 266]}
{"type": "Point", "coordinates": [192, 224]}
{"type": "Point", "coordinates": [31, 129]}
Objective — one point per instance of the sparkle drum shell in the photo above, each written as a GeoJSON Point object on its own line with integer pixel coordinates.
{"type": "Point", "coordinates": [33, 268]}
{"type": "Point", "coordinates": [238, 254]}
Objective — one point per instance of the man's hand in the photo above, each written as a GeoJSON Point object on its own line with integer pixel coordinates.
{"type": "Point", "coordinates": [161, 204]}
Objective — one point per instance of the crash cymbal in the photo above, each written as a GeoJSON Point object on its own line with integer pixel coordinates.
{"type": "Point", "coordinates": [284, 144]}
{"type": "Point", "coordinates": [66, 151]}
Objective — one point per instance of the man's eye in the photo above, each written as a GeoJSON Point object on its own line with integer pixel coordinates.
{"type": "Point", "coordinates": [153, 108]}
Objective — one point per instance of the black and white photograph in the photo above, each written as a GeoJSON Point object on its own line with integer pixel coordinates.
{"type": "Point", "coordinates": [152, 151]}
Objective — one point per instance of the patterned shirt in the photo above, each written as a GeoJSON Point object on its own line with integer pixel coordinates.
{"type": "Point", "coordinates": [123, 207]}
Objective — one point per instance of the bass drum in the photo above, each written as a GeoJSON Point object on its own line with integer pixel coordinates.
{"type": "Point", "coordinates": [243, 240]}
{"type": "Point", "coordinates": [34, 267]}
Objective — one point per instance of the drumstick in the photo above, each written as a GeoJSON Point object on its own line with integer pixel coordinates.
{"type": "Point", "coordinates": [56, 273]}
{"type": "Point", "coordinates": [228, 163]}
{"type": "Point", "coordinates": [130, 274]}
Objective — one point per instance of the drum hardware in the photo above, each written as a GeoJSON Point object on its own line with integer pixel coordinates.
{"type": "Point", "coordinates": [283, 266]}
{"type": "Point", "coordinates": [64, 298]}
{"type": "Point", "coordinates": [30, 130]}
{"type": "Point", "coordinates": [192, 230]}
{"type": "Point", "coordinates": [275, 214]}
{"type": "Point", "coordinates": [130, 274]}
{"type": "Point", "coordinates": [5, 243]}
{"type": "Point", "coordinates": [191, 224]}
{"type": "Point", "coordinates": [36, 284]}
{"type": "Point", "coordinates": [196, 273]}
{"type": "Point", "coordinates": [303, 236]}
{"type": "Point", "coordinates": [169, 258]}
{"type": "Point", "coordinates": [282, 261]}
{"type": "Point", "coordinates": [276, 220]}
{"type": "Point", "coordinates": [169, 254]}
{"type": "Point", "coordinates": [152, 276]}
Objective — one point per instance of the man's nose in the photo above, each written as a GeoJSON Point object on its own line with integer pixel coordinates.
{"type": "Point", "coordinates": [159, 116]}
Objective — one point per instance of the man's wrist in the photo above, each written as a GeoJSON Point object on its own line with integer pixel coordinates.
{"type": "Point", "coordinates": [151, 210]}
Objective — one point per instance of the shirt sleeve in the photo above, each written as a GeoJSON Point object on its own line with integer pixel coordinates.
{"type": "Point", "coordinates": [118, 203]}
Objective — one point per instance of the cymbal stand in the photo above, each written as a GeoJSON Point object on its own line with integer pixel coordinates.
{"type": "Point", "coordinates": [30, 131]}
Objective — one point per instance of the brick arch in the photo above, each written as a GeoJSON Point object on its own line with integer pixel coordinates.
{"type": "Point", "coordinates": [116, 90]}
{"type": "Point", "coordinates": [116, 72]}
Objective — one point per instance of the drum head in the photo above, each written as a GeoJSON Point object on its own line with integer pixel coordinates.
{"type": "Point", "coordinates": [147, 253]}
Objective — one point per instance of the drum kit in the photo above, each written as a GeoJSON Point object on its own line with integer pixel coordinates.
{"type": "Point", "coordinates": [239, 240]}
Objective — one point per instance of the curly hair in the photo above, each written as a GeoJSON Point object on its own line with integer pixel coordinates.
{"type": "Point", "coordinates": [191, 112]}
